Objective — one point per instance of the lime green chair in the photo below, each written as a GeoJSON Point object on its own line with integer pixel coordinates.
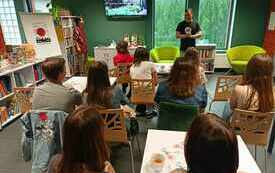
{"type": "Point", "coordinates": [239, 56]}
{"type": "Point", "coordinates": [166, 54]}
{"type": "Point", "coordinates": [174, 116]}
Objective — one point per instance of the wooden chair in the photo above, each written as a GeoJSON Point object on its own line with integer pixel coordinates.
{"type": "Point", "coordinates": [23, 96]}
{"type": "Point", "coordinates": [123, 73]}
{"type": "Point", "coordinates": [115, 130]}
{"type": "Point", "coordinates": [142, 91]}
{"type": "Point", "coordinates": [113, 72]}
{"type": "Point", "coordinates": [224, 88]}
{"type": "Point", "coordinates": [253, 127]}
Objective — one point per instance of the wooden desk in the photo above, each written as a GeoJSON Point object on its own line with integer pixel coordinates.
{"type": "Point", "coordinates": [157, 140]}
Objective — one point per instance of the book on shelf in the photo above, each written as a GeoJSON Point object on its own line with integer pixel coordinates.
{"type": "Point", "coordinates": [19, 80]}
{"type": "Point", "coordinates": [38, 75]}
{"type": "Point", "coordinates": [5, 86]}
{"type": "Point", "coordinates": [4, 114]}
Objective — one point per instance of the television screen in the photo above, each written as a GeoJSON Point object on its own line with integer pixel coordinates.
{"type": "Point", "coordinates": [126, 7]}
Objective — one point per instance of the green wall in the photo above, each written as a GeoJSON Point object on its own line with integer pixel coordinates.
{"type": "Point", "coordinates": [250, 20]}
{"type": "Point", "coordinates": [102, 30]}
{"type": "Point", "coordinates": [249, 25]}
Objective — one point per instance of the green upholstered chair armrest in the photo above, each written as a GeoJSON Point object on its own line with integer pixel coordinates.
{"type": "Point", "coordinates": [154, 55]}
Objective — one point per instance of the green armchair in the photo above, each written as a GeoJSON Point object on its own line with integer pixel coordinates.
{"type": "Point", "coordinates": [175, 116]}
{"type": "Point", "coordinates": [164, 54]}
{"type": "Point", "coordinates": [239, 56]}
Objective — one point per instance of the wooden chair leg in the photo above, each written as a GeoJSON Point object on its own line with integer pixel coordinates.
{"type": "Point", "coordinates": [272, 139]}
{"type": "Point", "coordinates": [265, 160]}
{"type": "Point", "coordinates": [138, 145]}
{"type": "Point", "coordinates": [131, 157]}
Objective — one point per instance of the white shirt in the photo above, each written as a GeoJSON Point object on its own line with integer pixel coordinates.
{"type": "Point", "coordinates": [142, 71]}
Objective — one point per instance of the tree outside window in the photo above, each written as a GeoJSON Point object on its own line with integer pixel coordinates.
{"type": "Point", "coordinates": [213, 19]}
{"type": "Point", "coordinates": [168, 13]}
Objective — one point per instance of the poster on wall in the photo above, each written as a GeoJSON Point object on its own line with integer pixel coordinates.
{"type": "Point", "coordinates": [40, 31]}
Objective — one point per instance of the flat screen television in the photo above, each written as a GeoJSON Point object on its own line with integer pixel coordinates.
{"type": "Point", "coordinates": [121, 8]}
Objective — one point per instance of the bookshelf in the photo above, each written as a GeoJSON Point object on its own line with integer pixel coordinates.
{"type": "Point", "coordinates": [207, 53]}
{"type": "Point", "coordinates": [67, 45]}
{"type": "Point", "coordinates": [27, 75]}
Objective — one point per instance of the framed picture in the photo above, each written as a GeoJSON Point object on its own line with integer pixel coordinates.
{"type": "Point", "coordinates": [40, 31]}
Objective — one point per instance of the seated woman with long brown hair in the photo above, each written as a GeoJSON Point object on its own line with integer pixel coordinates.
{"type": "Point", "coordinates": [84, 148]}
{"type": "Point", "coordinates": [183, 86]}
{"type": "Point", "coordinates": [99, 90]}
{"type": "Point", "coordinates": [256, 93]}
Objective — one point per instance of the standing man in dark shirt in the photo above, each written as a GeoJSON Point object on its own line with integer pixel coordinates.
{"type": "Point", "coordinates": [188, 31]}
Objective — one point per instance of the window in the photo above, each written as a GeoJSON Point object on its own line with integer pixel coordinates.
{"type": "Point", "coordinates": [168, 13]}
{"type": "Point", "coordinates": [42, 6]}
{"type": "Point", "coordinates": [215, 19]}
{"type": "Point", "coordinates": [9, 23]}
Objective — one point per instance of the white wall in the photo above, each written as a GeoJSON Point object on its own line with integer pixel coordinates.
{"type": "Point", "coordinates": [221, 61]}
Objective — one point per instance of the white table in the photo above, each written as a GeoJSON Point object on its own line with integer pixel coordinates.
{"type": "Point", "coordinates": [163, 68]}
{"type": "Point", "coordinates": [79, 82]}
{"type": "Point", "coordinates": [159, 139]}
{"type": "Point", "coordinates": [106, 54]}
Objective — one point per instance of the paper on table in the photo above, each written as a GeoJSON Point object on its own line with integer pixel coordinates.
{"type": "Point", "coordinates": [174, 158]}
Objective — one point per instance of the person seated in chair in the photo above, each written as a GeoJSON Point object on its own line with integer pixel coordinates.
{"type": "Point", "coordinates": [211, 146]}
{"type": "Point", "coordinates": [52, 95]}
{"type": "Point", "coordinates": [123, 57]}
{"type": "Point", "coordinates": [256, 93]}
{"type": "Point", "coordinates": [142, 68]}
{"type": "Point", "coordinates": [85, 149]}
{"type": "Point", "coordinates": [183, 86]}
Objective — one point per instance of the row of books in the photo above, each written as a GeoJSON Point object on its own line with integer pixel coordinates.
{"type": "Point", "coordinates": [5, 86]}
{"type": "Point", "coordinates": [38, 75]}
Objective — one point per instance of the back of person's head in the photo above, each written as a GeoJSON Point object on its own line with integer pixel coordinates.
{"type": "Point", "coordinates": [53, 68]}
{"type": "Point", "coordinates": [259, 75]}
{"type": "Point", "coordinates": [98, 85]}
{"type": "Point", "coordinates": [192, 55]}
{"type": "Point", "coordinates": [122, 47]}
{"type": "Point", "coordinates": [84, 146]}
{"type": "Point", "coordinates": [211, 146]}
{"type": "Point", "coordinates": [183, 78]}
{"type": "Point", "coordinates": [141, 54]}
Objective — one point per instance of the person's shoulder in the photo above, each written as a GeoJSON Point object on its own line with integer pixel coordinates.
{"type": "Point", "coordinates": [55, 160]}
{"type": "Point", "coordinates": [148, 63]}
{"type": "Point", "coordinates": [182, 23]}
{"type": "Point", "coordinates": [241, 88]}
